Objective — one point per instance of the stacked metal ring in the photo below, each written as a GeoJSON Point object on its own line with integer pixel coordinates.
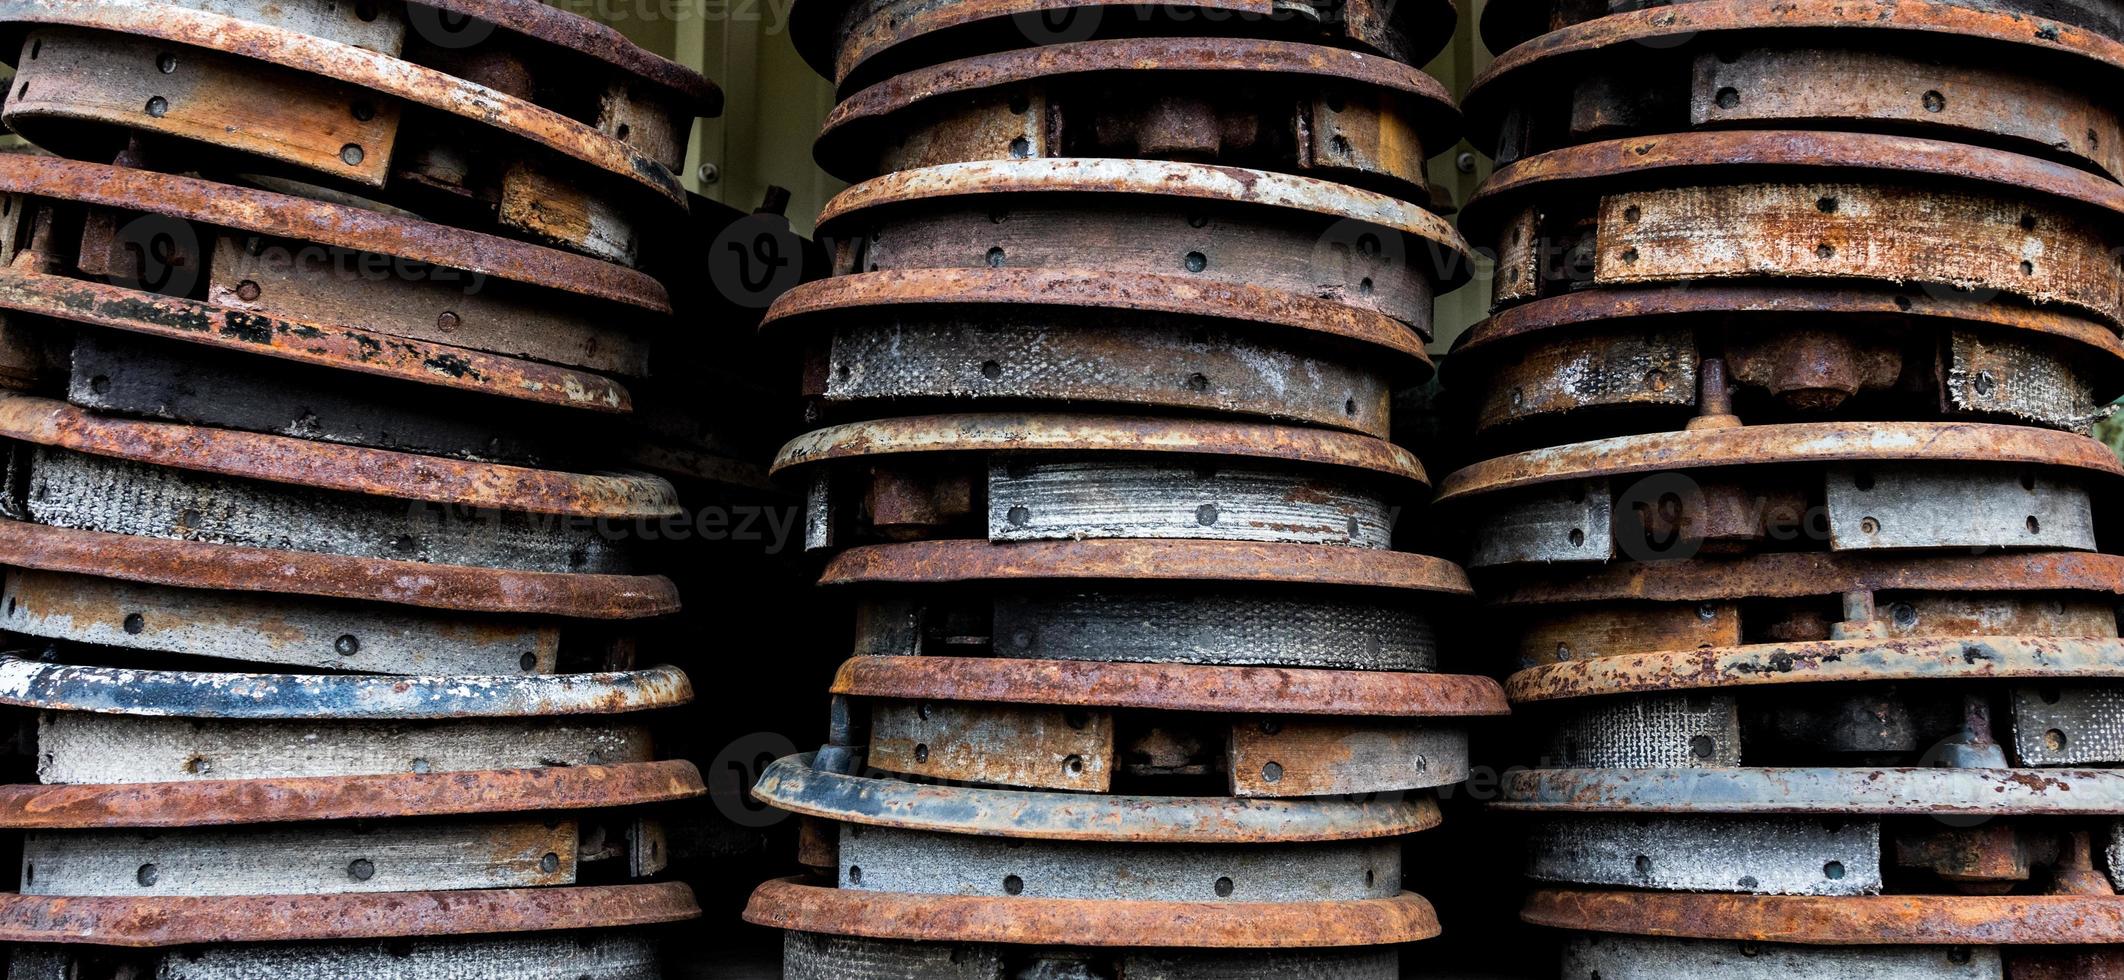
{"type": "Point", "coordinates": [1803, 313]}
{"type": "Point", "coordinates": [1102, 379]}
{"type": "Point", "coordinates": [320, 604]}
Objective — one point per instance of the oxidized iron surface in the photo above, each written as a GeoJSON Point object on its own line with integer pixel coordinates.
{"type": "Point", "coordinates": [1167, 653]}
{"type": "Point", "coordinates": [324, 628]}
{"type": "Point", "coordinates": [1782, 488]}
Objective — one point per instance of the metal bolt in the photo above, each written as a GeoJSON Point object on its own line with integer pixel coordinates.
{"type": "Point", "coordinates": [447, 322]}
{"type": "Point", "coordinates": [353, 154]}
{"type": "Point", "coordinates": [362, 869]}
{"type": "Point", "coordinates": [1465, 162]}
{"type": "Point", "coordinates": [248, 291]}
{"type": "Point", "coordinates": [709, 173]}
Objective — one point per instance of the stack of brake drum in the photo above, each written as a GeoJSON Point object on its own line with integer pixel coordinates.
{"type": "Point", "coordinates": [321, 606]}
{"type": "Point", "coordinates": [1100, 387]}
{"type": "Point", "coordinates": [1802, 314]}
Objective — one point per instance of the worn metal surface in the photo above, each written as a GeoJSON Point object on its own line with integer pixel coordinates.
{"type": "Point", "coordinates": [612, 955]}
{"type": "Point", "coordinates": [280, 216]}
{"type": "Point", "coordinates": [1823, 662]}
{"type": "Point", "coordinates": [1828, 792]}
{"type": "Point", "coordinates": [80, 748]}
{"type": "Point", "coordinates": [961, 562]}
{"type": "Point", "coordinates": [1555, 362]}
{"type": "Point", "coordinates": [1830, 206]}
{"type": "Point", "coordinates": [188, 694]}
{"type": "Point", "coordinates": [237, 802]}
{"type": "Point", "coordinates": [786, 904]}
{"type": "Point", "coordinates": [1266, 105]}
{"type": "Point", "coordinates": [1754, 855]}
{"type": "Point", "coordinates": [1989, 77]}
{"type": "Point", "coordinates": [794, 784]}
{"type": "Point", "coordinates": [312, 860]}
{"type": "Point", "coordinates": [1223, 224]}
{"type": "Point", "coordinates": [1634, 958]}
{"type": "Point", "coordinates": [204, 565]}
{"type": "Point", "coordinates": [1172, 687]}
{"type": "Point", "coordinates": [1877, 443]}
{"type": "Point", "coordinates": [1055, 336]}
{"type": "Point", "coordinates": [1885, 920]}
{"type": "Point", "coordinates": [815, 956]}
{"type": "Point", "coordinates": [98, 493]}
{"type": "Point", "coordinates": [344, 348]}
{"type": "Point", "coordinates": [1506, 25]}
{"type": "Point", "coordinates": [153, 922]}
{"type": "Point", "coordinates": [893, 861]}
{"type": "Point", "coordinates": [297, 56]}
{"type": "Point", "coordinates": [322, 466]}
{"type": "Point", "coordinates": [853, 44]}
{"type": "Point", "coordinates": [273, 629]}
{"type": "Point", "coordinates": [1034, 500]}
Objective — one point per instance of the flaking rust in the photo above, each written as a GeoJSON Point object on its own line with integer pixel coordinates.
{"type": "Point", "coordinates": [329, 632]}
{"type": "Point", "coordinates": [1101, 390]}
{"type": "Point", "coordinates": [1783, 494]}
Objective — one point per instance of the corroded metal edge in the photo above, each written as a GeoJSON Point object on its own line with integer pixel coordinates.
{"type": "Point", "coordinates": [460, 588]}
{"type": "Point", "coordinates": [1860, 920]}
{"type": "Point", "coordinates": [324, 223]}
{"type": "Point", "coordinates": [1788, 575]}
{"type": "Point", "coordinates": [1174, 687]}
{"type": "Point", "coordinates": [1784, 444]}
{"type": "Point", "coordinates": [869, 295]}
{"type": "Point", "coordinates": [1716, 305]}
{"type": "Point", "coordinates": [1015, 432]}
{"type": "Point", "coordinates": [333, 466]}
{"type": "Point", "coordinates": [225, 802]}
{"type": "Point", "coordinates": [1721, 157]}
{"type": "Point", "coordinates": [2040, 42]}
{"type": "Point", "coordinates": [1124, 560]}
{"type": "Point", "coordinates": [859, 116]}
{"type": "Point", "coordinates": [468, 101]}
{"type": "Point", "coordinates": [1824, 662]}
{"type": "Point", "coordinates": [177, 921]}
{"type": "Point", "coordinates": [1159, 178]}
{"type": "Point", "coordinates": [815, 26]}
{"type": "Point", "coordinates": [788, 904]}
{"type": "Point", "coordinates": [337, 347]}
{"type": "Point", "coordinates": [544, 22]}
{"type": "Point", "coordinates": [188, 694]}
{"type": "Point", "coordinates": [793, 784]}
{"type": "Point", "coordinates": [1881, 792]}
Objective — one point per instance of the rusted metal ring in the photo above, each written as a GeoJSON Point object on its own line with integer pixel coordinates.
{"type": "Point", "coordinates": [180, 921]}
{"type": "Point", "coordinates": [338, 347]}
{"type": "Point", "coordinates": [1507, 24]}
{"type": "Point", "coordinates": [789, 904]}
{"type": "Point", "coordinates": [869, 294]}
{"type": "Point", "coordinates": [1768, 445]}
{"type": "Point", "coordinates": [230, 802]}
{"type": "Point", "coordinates": [459, 98]}
{"type": "Point", "coordinates": [793, 784]}
{"type": "Point", "coordinates": [848, 44]}
{"type": "Point", "coordinates": [1793, 575]}
{"type": "Point", "coordinates": [1156, 178]}
{"type": "Point", "coordinates": [2013, 40]}
{"type": "Point", "coordinates": [543, 22]}
{"type": "Point", "coordinates": [958, 562]}
{"type": "Point", "coordinates": [1858, 920]}
{"type": "Point", "coordinates": [1842, 792]}
{"type": "Point", "coordinates": [1722, 304]}
{"type": "Point", "coordinates": [460, 588]}
{"type": "Point", "coordinates": [282, 216]}
{"type": "Point", "coordinates": [1174, 687]}
{"type": "Point", "coordinates": [352, 469]}
{"type": "Point", "coordinates": [187, 694]}
{"type": "Point", "coordinates": [1035, 433]}
{"type": "Point", "coordinates": [1729, 157]}
{"type": "Point", "coordinates": [1823, 662]}
{"type": "Point", "coordinates": [864, 121]}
